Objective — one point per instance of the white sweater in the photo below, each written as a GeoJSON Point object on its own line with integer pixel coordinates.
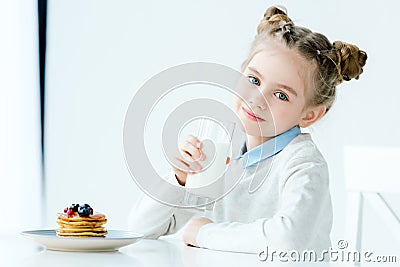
{"type": "Point", "coordinates": [291, 210]}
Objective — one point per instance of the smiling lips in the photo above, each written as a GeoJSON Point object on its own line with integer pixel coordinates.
{"type": "Point", "coordinates": [250, 115]}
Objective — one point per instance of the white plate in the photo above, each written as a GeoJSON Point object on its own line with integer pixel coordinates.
{"type": "Point", "coordinates": [114, 240]}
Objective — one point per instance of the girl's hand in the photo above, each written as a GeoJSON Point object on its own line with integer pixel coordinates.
{"type": "Point", "coordinates": [192, 230]}
{"type": "Point", "coordinates": [190, 153]}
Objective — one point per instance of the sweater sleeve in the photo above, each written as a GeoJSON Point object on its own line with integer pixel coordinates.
{"type": "Point", "coordinates": [154, 219]}
{"type": "Point", "coordinates": [303, 200]}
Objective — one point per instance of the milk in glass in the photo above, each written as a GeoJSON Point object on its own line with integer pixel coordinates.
{"type": "Point", "coordinates": [214, 170]}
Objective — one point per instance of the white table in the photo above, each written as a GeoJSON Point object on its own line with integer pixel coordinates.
{"type": "Point", "coordinates": [15, 250]}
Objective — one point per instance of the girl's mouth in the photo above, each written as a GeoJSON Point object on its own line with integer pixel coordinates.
{"type": "Point", "coordinates": [250, 115]}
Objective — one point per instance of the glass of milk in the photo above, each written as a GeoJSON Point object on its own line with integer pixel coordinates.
{"type": "Point", "coordinates": [216, 139]}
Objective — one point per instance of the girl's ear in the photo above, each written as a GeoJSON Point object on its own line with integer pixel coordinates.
{"type": "Point", "coordinates": [311, 115]}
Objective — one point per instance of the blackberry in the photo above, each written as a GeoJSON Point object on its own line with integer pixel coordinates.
{"type": "Point", "coordinates": [74, 207]}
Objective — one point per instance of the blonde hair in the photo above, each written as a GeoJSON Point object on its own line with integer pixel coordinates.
{"type": "Point", "coordinates": [335, 62]}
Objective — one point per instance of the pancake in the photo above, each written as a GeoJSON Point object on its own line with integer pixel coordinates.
{"type": "Point", "coordinates": [84, 223]}
{"type": "Point", "coordinates": [84, 234]}
{"type": "Point", "coordinates": [79, 224]}
{"type": "Point", "coordinates": [80, 220]}
{"type": "Point", "coordinates": [81, 230]}
{"type": "Point", "coordinates": [97, 217]}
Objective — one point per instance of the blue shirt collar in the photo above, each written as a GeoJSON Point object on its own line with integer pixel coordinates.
{"type": "Point", "coordinates": [268, 148]}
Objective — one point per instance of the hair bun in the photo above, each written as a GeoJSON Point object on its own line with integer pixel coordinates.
{"type": "Point", "coordinates": [350, 61]}
{"type": "Point", "coordinates": [275, 10]}
{"type": "Point", "coordinates": [274, 18]}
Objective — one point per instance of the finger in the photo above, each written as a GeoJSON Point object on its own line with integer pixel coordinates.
{"type": "Point", "coordinates": [192, 151]}
{"type": "Point", "coordinates": [194, 140]}
{"type": "Point", "coordinates": [180, 173]}
{"type": "Point", "coordinates": [180, 165]}
{"type": "Point", "coordinates": [188, 157]}
{"type": "Point", "coordinates": [184, 163]}
{"type": "Point", "coordinates": [185, 166]}
{"type": "Point", "coordinates": [195, 166]}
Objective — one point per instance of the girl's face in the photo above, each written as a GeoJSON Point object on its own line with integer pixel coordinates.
{"type": "Point", "coordinates": [277, 100]}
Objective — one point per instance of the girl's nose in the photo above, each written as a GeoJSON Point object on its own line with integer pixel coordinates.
{"type": "Point", "coordinates": [259, 103]}
{"type": "Point", "coordinates": [254, 97]}
{"type": "Point", "coordinates": [262, 106]}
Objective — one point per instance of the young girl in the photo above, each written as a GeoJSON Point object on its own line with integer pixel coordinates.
{"type": "Point", "coordinates": [297, 71]}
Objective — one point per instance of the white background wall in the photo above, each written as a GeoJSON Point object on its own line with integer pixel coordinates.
{"type": "Point", "coordinates": [20, 152]}
{"type": "Point", "coordinates": [101, 52]}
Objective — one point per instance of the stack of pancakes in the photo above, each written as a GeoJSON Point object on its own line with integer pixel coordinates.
{"type": "Point", "coordinates": [76, 226]}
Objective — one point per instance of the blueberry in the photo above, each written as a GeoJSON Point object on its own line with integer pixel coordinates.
{"type": "Point", "coordinates": [84, 211]}
{"type": "Point", "coordinates": [86, 205]}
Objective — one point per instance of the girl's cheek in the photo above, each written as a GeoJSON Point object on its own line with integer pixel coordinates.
{"type": "Point", "coordinates": [236, 103]}
{"type": "Point", "coordinates": [285, 117]}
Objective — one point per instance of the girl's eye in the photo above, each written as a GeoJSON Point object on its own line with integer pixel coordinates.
{"type": "Point", "coordinates": [254, 80]}
{"type": "Point", "coordinates": [281, 96]}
